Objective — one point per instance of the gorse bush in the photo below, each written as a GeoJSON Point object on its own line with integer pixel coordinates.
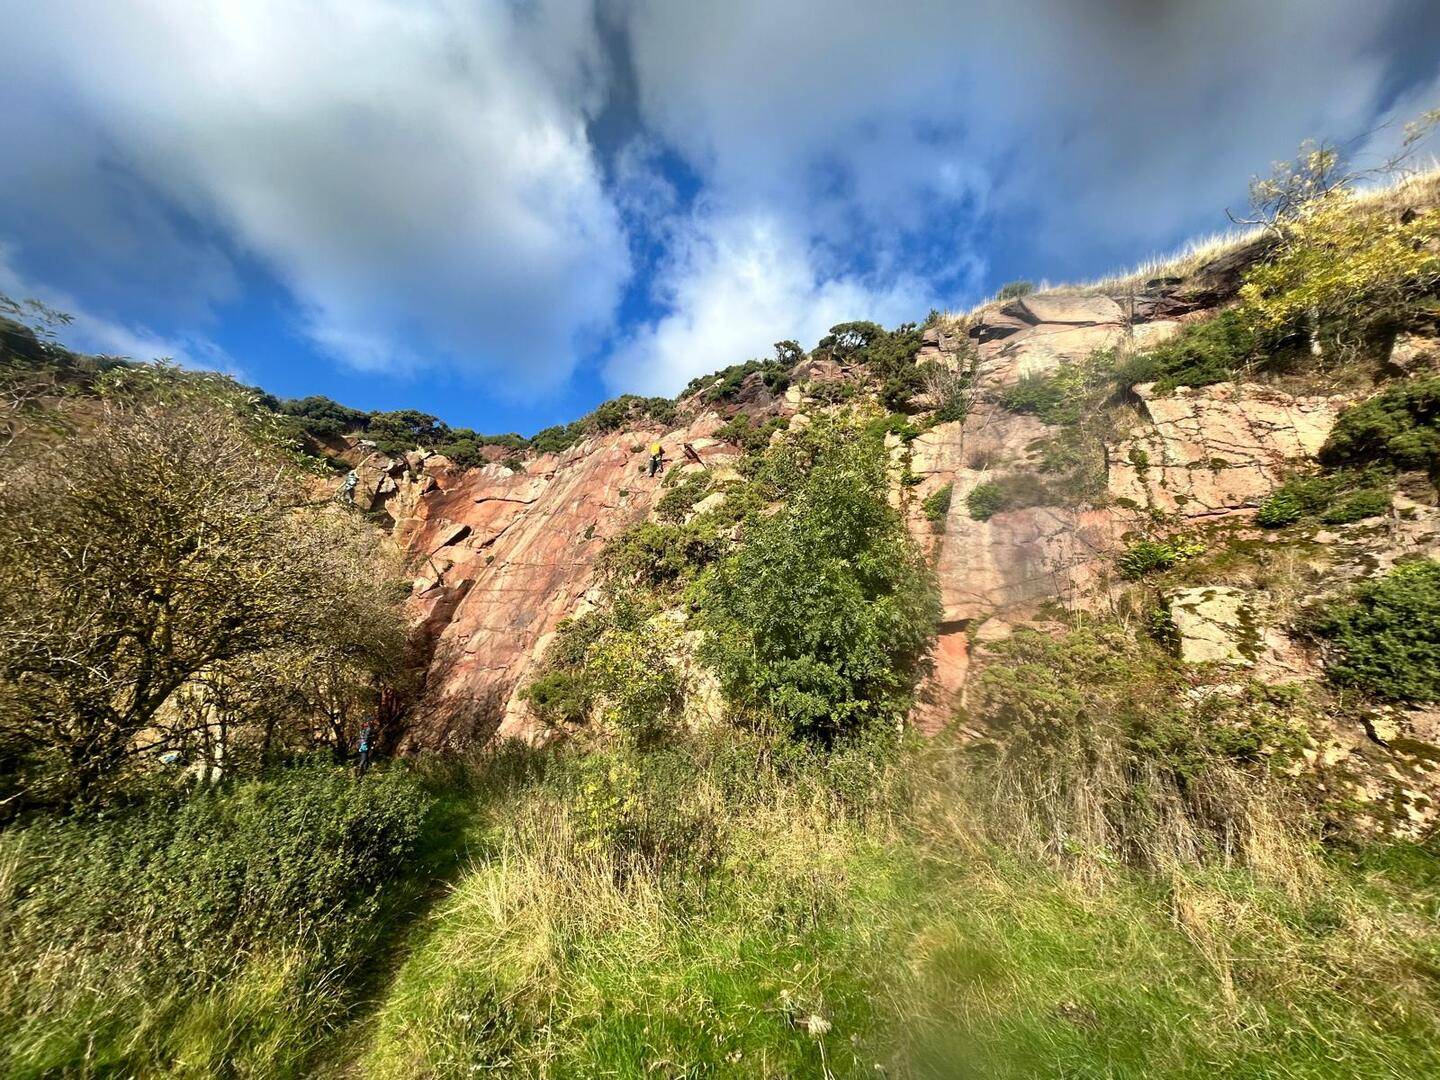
{"type": "Point", "coordinates": [118, 928]}
{"type": "Point", "coordinates": [724, 385]}
{"type": "Point", "coordinates": [1202, 353]}
{"type": "Point", "coordinates": [1335, 499]}
{"type": "Point", "coordinates": [1398, 428]}
{"type": "Point", "coordinates": [937, 505]}
{"type": "Point", "coordinates": [822, 617]}
{"type": "Point", "coordinates": [1385, 635]}
{"type": "Point", "coordinates": [679, 500]}
{"type": "Point", "coordinates": [751, 437]}
{"type": "Point", "coordinates": [888, 354]}
{"type": "Point", "coordinates": [985, 500]}
{"type": "Point", "coordinates": [1059, 397]}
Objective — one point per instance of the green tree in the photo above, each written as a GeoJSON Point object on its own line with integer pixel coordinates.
{"type": "Point", "coordinates": [164, 539]}
{"type": "Point", "coordinates": [822, 618]}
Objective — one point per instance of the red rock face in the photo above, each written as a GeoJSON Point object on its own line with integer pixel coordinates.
{"type": "Point", "coordinates": [500, 557]}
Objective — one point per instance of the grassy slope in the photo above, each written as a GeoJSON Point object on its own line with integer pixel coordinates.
{"type": "Point", "coordinates": [925, 952]}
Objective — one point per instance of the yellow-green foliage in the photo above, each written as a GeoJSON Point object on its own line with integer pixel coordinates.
{"type": "Point", "coordinates": [1346, 269]}
{"type": "Point", "coordinates": [1154, 556]}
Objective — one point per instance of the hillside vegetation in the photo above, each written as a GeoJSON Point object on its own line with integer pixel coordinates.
{"type": "Point", "coordinates": [734, 857]}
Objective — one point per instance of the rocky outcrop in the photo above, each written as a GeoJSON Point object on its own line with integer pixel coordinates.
{"type": "Point", "coordinates": [501, 555]}
{"type": "Point", "coordinates": [1214, 624]}
{"type": "Point", "coordinates": [1217, 449]}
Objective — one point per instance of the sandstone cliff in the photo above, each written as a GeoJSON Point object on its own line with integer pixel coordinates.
{"type": "Point", "coordinates": [501, 553]}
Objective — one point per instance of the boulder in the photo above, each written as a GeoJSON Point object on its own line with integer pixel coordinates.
{"type": "Point", "coordinates": [1214, 624]}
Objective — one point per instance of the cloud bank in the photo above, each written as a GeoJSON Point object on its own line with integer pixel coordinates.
{"type": "Point", "coordinates": [649, 189]}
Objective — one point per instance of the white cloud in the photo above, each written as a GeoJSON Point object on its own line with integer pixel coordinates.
{"type": "Point", "coordinates": [92, 333]}
{"type": "Point", "coordinates": [1094, 127]}
{"type": "Point", "coordinates": [418, 175]}
{"type": "Point", "coordinates": [733, 286]}
{"type": "Point", "coordinates": [421, 177]}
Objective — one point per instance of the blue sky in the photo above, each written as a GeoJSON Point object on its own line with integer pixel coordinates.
{"type": "Point", "coordinates": [505, 211]}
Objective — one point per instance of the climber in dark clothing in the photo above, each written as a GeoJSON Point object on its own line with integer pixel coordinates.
{"type": "Point", "coordinates": [657, 455]}
{"type": "Point", "coordinates": [366, 742]}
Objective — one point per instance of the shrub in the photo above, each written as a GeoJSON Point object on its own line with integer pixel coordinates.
{"type": "Point", "coordinates": [203, 564]}
{"type": "Point", "coordinates": [1013, 290]}
{"type": "Point", "coordinates": [1398, 428]}
{"type": "Point", "coordinates": [1349, 273]}
{"type": "Point", "coordinates": [985, 500]}
{"type": "Point", "coordinates": [116, 927]}
{"type": "Point", "coordinates": [1336, 499]}
{"type": "Point", "coordinates": [937, 505]}
{"type": "Point", "coordinates": [725, 384]}
{"type": "Point", "coordinates": [1357, 506]}
{"type": "Point", "coordinates": [1102, 754]}
{"type": "Point", "coordinates": [1062, 397]}
{"type": "Point", "coordinates": [748, 435]}
{"type": "Point", "coordinates": [659, 555]}
{"type": "Point", "coordinates": [681, 499]}
{"type": "Point", "coordinates": [561, 698]}
{"type": "Point", "coordinates": [1153, 556]}
{"type": "Point", "coordinates": [1015, 490]}
{"type": "Point", "coordinates": [1202, 353]}
{"type": "Point", "coordinates": [557, 439]}
{"type": "Point", "coordinates": [888, 354]}
{"type": "Point", "coordinates": [821, 619]}
{"type": "Point", "coordinates": [1386, 634]}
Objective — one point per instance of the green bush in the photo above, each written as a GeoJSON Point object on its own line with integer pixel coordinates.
{"type": "Point", "coordinates": [681, 499]}
{"type": "Point", "coordinates": [889, 355]}
{"type": "Point", "coordinates": [1357, 506]}
{"type": "Point", "coordinates": [1386, 634]}
{"type": "Point", "coordinates": [1014, 490]}
{"type": "Point", "coordinates": [1398, 428]}
{"type": "Point", "coordinates": [821, 619]}
{"type": "Point", "coordinates": [751, 437]}
{"type": "Point", "coordinates": [116, 927]}
{"type": "Point", "coordinates": [557, 439]}
{"type": "Point", "coordinates": [1202, 353]}
{"type": "Point", "coordinates": [725, 384]}
{"type": "Point", "coordinates": [1155, 556]}
{"type": "Point", "coordinates": [561, 697]}
{"type": "Point", "coordinates": [660, 555]}
{"type": "Point", "coordinates": [985, 500]}
{"type": "Point", "coordinates": [1013, 290]}
{"type": "Point", "coordinates": [1055, 398]}
{"type": "Point", "coordinates": [1335, 499]}
{"type": "Point", "coordinates": [937, 505]}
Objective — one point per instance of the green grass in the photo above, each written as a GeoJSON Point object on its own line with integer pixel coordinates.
{"type": "Point", "coordinates": [922, 947]}
{"type": "Point", "coordinates": [729, 907]}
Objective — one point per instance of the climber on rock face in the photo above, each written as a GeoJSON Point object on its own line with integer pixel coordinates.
{"type": "Point", "coordinates": [657, 455]}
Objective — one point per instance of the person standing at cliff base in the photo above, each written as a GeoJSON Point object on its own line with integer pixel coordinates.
{"type": "Point", "coordinates": [366, 740]}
